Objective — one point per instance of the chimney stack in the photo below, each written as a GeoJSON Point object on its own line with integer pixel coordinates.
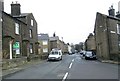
{"type": "Point", "coordinates": [111, 11]}
{"type": "Point", "coordinates": [119, 6]}
{"type": "Point", "coordinates": [1, 5]}
{"type": "Point", "coordinates": [15, 9]}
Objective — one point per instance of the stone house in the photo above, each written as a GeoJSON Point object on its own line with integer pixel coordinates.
{"type": "Point", "coordinates": [43, 40]}
{"type": "Point", "coordinates": [90, 43]}
{"type": "Point", "coordinates": [29, 37]}
{"type": "Point", "coordinates": [107, 36]}
{"type": "Point", "coordinates": [55, 42]}
{"type": "Point", "coordinates": [65, 48]}
{"type": "Point", "coordinates": [12, 36]}
{"type": "Point", "coordinates": [19, 33]}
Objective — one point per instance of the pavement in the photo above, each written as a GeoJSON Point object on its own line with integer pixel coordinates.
{"type": "Point", "coordinates": [10, 71]}
{"type": "Point", "coordinates": [105, 61]}
{"type": "Point", "coordinates": [110, 61]}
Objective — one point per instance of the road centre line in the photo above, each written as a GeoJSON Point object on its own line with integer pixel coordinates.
{"type": "Point", "coordinates": [73, 60]}
{"type": "Point", "coordinates": [65, 76]}
{"type": "Point", "coordinates": [70, 65]}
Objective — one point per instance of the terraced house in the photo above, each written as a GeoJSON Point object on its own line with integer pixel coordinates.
{"type": "Point", "coordinates": [90, 43]}
{"type": "Point", "coordinates": [55, 42]}
{"type": "Point", "coordinates": [44, 45]}
{"type": "Point", "coordinates": [19, 33]}
{"type": "Point", "coordinates": [107, 35]}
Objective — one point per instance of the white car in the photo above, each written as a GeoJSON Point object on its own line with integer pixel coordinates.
{"type": "Point", "coordinates": [55, 55]}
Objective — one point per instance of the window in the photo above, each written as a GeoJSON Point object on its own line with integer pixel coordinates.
{"type": "Point", "coordinates": [16, 47]}
{"type": "Point", "coordinates": [32, 22]}
{"type": "Point", "coordinates": [45, 42]}
{"type": "Point", "coordinates": [30, 31]}
{"type": "Point", "coordinates": [17, 28]}
{"type": "Point", "coordinates": [31, 48]}
{"type": "Point", "coordinates": [1, 19]}
{"type": "Point", "coordinates": [118, 28]}
{"type": "Point", "coordinates": [119, 45]}
{"type": "Point", "coordinates": [45, 50]}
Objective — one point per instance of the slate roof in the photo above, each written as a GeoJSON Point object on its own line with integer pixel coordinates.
{"type": "Point", "coordinates": [22, 15]}
{"type": "Point", "coordinates": [43, 37]}
{"type": "Point", "coordinates": [54, 38]}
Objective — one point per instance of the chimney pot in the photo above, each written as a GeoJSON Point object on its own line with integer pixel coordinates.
{"type": "Point", "coordinates": [111, 11]}
{"type": "Point", "coordinates": [16, 2]}
{"type": "Point", "coordinates": [15, 9]}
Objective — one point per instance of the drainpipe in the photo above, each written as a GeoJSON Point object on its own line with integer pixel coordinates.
{"type": "Point", "coordinates": [10, 45]}
{"type": "Point", "coordinates": [108, 39]}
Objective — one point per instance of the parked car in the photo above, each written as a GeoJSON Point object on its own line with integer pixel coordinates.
{"type": "Point", "coordinates": [70, 53]}
{"type": "Point", "coordinates": [90, 55]}
{"type": "Point", "coordinates": [55, 54]}
{"type": "Point", "coordinates": [82, 53]}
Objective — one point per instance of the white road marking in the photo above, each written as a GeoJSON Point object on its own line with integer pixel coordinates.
{"type": "Point", "coordinates": [73, 60]}
{"type": "Point", "coordinates": [70, 65]}
{"type": "Point", "coordinates": [65, 76]}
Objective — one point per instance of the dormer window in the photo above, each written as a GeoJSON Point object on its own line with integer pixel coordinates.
{"type": "Point", "coordinates": [17, 28]}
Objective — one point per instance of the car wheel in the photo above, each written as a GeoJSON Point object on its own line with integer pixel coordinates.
{"type": "Point", "coordinates": [61, 58]}
{"type": "Point", "coordinates": [86, 58]}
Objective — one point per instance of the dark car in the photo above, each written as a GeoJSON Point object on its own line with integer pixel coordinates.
{"type": "Point", "coordinates": [90, 55]}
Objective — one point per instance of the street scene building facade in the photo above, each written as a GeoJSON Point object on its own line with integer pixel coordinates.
{"type": "Point", "coordinates": [25, 54]}
{"type": "Point", "coordinates": [107, 36]}
{"type": "Point", "coordinates": [21, 43]}
{"type": "Point", "coordinates": [90, 43]}
{"type": "Point", "coordinates": [30, 39]}
{"type": "Point", "coordinates": [55, 42]}
{"type": "Point", "coordinates": [12, 36]}
{"type": "Point", "coordinates": [19, 33]}
{"type": "Point", "coordinates": [44, 47]}
{"type": "Point", "coordinates": [19, 37]}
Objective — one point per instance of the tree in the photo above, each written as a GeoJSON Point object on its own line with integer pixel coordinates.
{"type": "Point", "coordinates": [81, 45]}
{"type": "Point", "coordinates": [77, 47]}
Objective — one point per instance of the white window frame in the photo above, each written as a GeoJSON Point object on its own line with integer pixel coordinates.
{"type": "Point", "coordinates": [119, 45]}
{"type": "Point", "coordinates": [45, 42]}
{"type": "Point", "coordinates": [45, 50]}
{"type": "Point", "coordinates": [30, 32]}
{"type": "Point", "coordinates": [31, 48]}
{"type": "Point", "coordinates": [118, 28]}
{"type": "Point", "coordinates": [17, 28]}
{"type": "Point", "coordinates": [1, 19]}
{"type": "Point", "coordinates": [32, 22]}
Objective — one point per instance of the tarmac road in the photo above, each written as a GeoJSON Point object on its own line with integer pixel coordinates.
{"type": "Point", "coordinates": [70, 67]}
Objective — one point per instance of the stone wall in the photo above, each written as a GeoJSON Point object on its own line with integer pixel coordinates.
{"type": "Point", "coordinates": [8, 63]}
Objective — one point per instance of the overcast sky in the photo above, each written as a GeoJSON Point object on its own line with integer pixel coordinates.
{"type": "Point", "coordinates": [71, 19]}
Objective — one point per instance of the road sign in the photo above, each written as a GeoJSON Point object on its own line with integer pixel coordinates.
{"type": "Point", "coordinates": [16, 45]}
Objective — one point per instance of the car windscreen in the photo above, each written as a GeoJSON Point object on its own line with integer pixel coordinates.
{"type": "Point", "coordinates": [89, 53]}
{"type": "Point", "coordinates": [54, 53]}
